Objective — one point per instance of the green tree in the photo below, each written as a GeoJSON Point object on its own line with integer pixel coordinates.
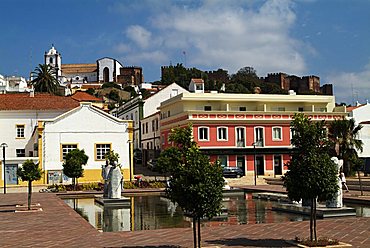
{"type": "Point", "coordinates": [195, 183]}
{"type": "Point", "coordinates": [72, 166]}
{"type": "Point", "coordinates": [312, 175]}
{"type": "Point", "coordinates": [344, 135]}
{"type": "Point", "coordinates": [29, 172]}
{"type": "Point", "coordinates": [45, 79]}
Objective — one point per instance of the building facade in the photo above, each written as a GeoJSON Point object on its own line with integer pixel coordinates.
{"type": "Point", "coordinates": [250, 131]}
{"type": "Point", "coordinates": [43, 127]}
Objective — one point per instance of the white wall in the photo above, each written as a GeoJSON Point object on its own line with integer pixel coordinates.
{"type": "Point", "coordinates": [362, 114]}
{"type": "Point", "coordinates": [85, 126]}
{"type": "Point", "coordinates": [152, 103]}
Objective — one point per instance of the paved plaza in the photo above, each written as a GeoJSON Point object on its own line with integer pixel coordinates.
{"type": "Point", "coordinates": [58, 225]}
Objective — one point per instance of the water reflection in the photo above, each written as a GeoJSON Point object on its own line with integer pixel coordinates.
{"type": "Point", "coordinates": [157, 212]}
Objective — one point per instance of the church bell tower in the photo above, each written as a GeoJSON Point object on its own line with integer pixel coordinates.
{"type": "Point", "coordinates": [54, 59]}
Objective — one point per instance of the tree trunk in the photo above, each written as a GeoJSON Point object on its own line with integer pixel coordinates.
{"type": "Point", "coordinates": [195, 232]}
{"type": "Point", "coordinates": [314, 219]}
{"type": "Point", "coordinates": [29, 194]}
{"type": "Point", "coordinates": [360, 182]}
{"type": "Point", "coordinates": [199, 232]}
{"type": "Point", "coordinates": [311, 220]}
{"type": "Point", "coordinates": [74, 183]}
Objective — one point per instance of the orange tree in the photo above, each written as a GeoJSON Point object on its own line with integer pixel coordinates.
{"type": "Point", "coordinates": [312, 175]}
{"type": "Point", "coordinates": [195, 183]}
{"type": "Point", "coordinates": [29, 172]}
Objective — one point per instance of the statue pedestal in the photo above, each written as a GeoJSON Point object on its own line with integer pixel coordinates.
{"type": "Point", "coordinates": [107, 202]}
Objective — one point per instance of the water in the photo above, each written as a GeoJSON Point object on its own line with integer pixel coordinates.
{"type": "Point", "coordinates": [157, 212]}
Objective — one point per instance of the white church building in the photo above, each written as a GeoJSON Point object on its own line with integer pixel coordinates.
{"type": "Point", "coordinates": [75, 75]}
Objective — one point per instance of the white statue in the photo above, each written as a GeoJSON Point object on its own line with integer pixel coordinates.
{"type": "Point", "coordinates": [114, 182]}
{"type": "Point", "coordinates": [337, 201]}
{"type": "Point", "coordinates": [104, 173]}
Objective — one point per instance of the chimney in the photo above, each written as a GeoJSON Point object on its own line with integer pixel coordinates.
{"type": "Point", "coordinates": [32, 92]}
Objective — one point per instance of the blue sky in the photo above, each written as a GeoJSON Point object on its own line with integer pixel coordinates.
{"type": "Point", "coordinates": [327, 38]}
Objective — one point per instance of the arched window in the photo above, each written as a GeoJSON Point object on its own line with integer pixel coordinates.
{"type": "Point", "coordinates": [50, 60]}
{"type": "Point", "coordinates": [106, 75]}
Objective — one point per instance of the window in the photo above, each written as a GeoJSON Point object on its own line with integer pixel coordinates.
{"type": "Point", "coordinates": [222, 133]}
{"type": "Point", "coordinates": [203, 133]}
{"type": "Point", "coordinates": [50, 60]}
{"type": "Point", "coordinates": [153, 125]}
{"type": "Point", "coordinates": [207, 108]}
{"type": "Point", "coordinates": [156, 124]}
{"type": "Point", "coordinates": [300, 109]}
{"type": "Point", "coordinates": [223, 160]}
{"type": "Point", "coordinates": [174, 92]}
{"type": "Point", "coordinates": [258, 138]}
{"type": "Point", "coordinates": [168, 113]}
{"type": "Point", "coordinates": [66, 148]}
{"type": "Point", "coordinates": [146, 127]}
{"type": "Point", "coordinates": [240, 137]}
{"type": "Point", "coordinates": [276, 133]}
{"type": "Point", "coordinates": [20, 152]}
{"type": "Point", "coordinates": [20, 131]}
{"type": "Point", "coordinates": [280, 108]}
{"type": "Point", "coordinates": [242, 108]}
{"type": "Point", "coordinates": [199, 86]}
{"type": "Point", "coordinates": [143, 128]}
{"type": "Point", "coordinates": [101, 150]}
{"type": "Point", "coordinates": [132, 116]}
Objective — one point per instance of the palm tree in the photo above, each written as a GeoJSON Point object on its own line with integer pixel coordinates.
{"type": "Point", "coordinates": [45, 79]}
{"type": "Point", "coordinates": [344, 134]}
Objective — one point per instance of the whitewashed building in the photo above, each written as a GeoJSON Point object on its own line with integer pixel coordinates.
{"type": "Point", "coordinates": [43, 127]}
{"type": "Point", "coordinates": [85, 127]}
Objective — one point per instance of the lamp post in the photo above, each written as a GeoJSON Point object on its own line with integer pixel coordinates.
{"type": "Point", "coordinates": [4, 145]}
{"type": "Point", "coordinates": [130, 158]}
{"type": "Point", "coordinates": [254, 163]}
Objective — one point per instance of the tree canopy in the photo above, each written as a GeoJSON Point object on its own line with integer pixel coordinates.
{"type": "Point", "coordinates": [72, 166]}
{"type": "Point", "coordinates": [29, 172]}
{"type": "Point", "coordinates": [312, 175]}
{"type": "Point", "coordinates": [44, 79]}
{"type": "Point", "coordinates": [344, 135]}
{"type": "Point", "coordinates": [195, 184]}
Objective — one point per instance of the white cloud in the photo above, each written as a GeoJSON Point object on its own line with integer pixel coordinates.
{"type": "Point", "coordinates": [216, 34]}
{"type": "Point", "coordinates": [155, 57]}
{"type": "Point", "coordinates": [139, 35]}
{"type": "Point", "coordinates": [350, 87]}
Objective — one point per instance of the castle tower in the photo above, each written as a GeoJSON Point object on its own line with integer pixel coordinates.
{"type": "Point", "coordinates": [54, 59]}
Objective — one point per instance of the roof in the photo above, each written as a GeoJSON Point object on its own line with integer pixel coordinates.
{"type": "Point", "coordinates": [85, 97]}
{"type": "Point", "coordinates": [351, 108]}
{"type": "Point", "coordinates": [78, 68]}
{"type": "Point", "coordinates": [197, 80]}
{"type": "Point", "coordinates": [40, 101]}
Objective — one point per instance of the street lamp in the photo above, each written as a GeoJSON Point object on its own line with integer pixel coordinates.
{"type": "Point", "coordinates": [129, 158]}
{"type": "Point", "coordinates": [254, 164]}
{"type": "Point", "coordinates": [4, 145]}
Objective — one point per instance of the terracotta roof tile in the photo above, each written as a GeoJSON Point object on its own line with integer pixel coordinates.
{"type": "Point", "coordinates": [197, 80]}
{"type": "Point", "coordinates": [41, 101]}
{"type": "Point", "coordinates": [83, 96]}
{"type": "Point", "coordinates": [78, 68]}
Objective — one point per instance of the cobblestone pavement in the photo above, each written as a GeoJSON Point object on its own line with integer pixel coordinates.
{"type": "Point", "coordinates": [58, 225]}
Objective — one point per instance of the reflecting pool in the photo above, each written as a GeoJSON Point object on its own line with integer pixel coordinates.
{"type": "Point", "coordinates": [157, 212]}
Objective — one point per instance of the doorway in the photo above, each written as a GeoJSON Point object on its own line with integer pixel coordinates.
{"type": "Point", "coordinates": [278, 168]}
{"type": "Point", "coordinates": [240, 162]}
{"type": "Point", "coordinates": [260, 165]}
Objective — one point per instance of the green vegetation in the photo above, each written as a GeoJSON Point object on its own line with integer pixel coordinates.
{"type": "Point", "coordinates": [29, 172]}
{"type": "Point", "coordinates": [72, 166]}
{"type": "Point", "coordinates": [195, 183]}
{"type": "Point", "coordinates": [312, 175]}
{"type": "Point", "coordinates": [45, 79]}
{"type": "Point", "coordinates": [344, 135]}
